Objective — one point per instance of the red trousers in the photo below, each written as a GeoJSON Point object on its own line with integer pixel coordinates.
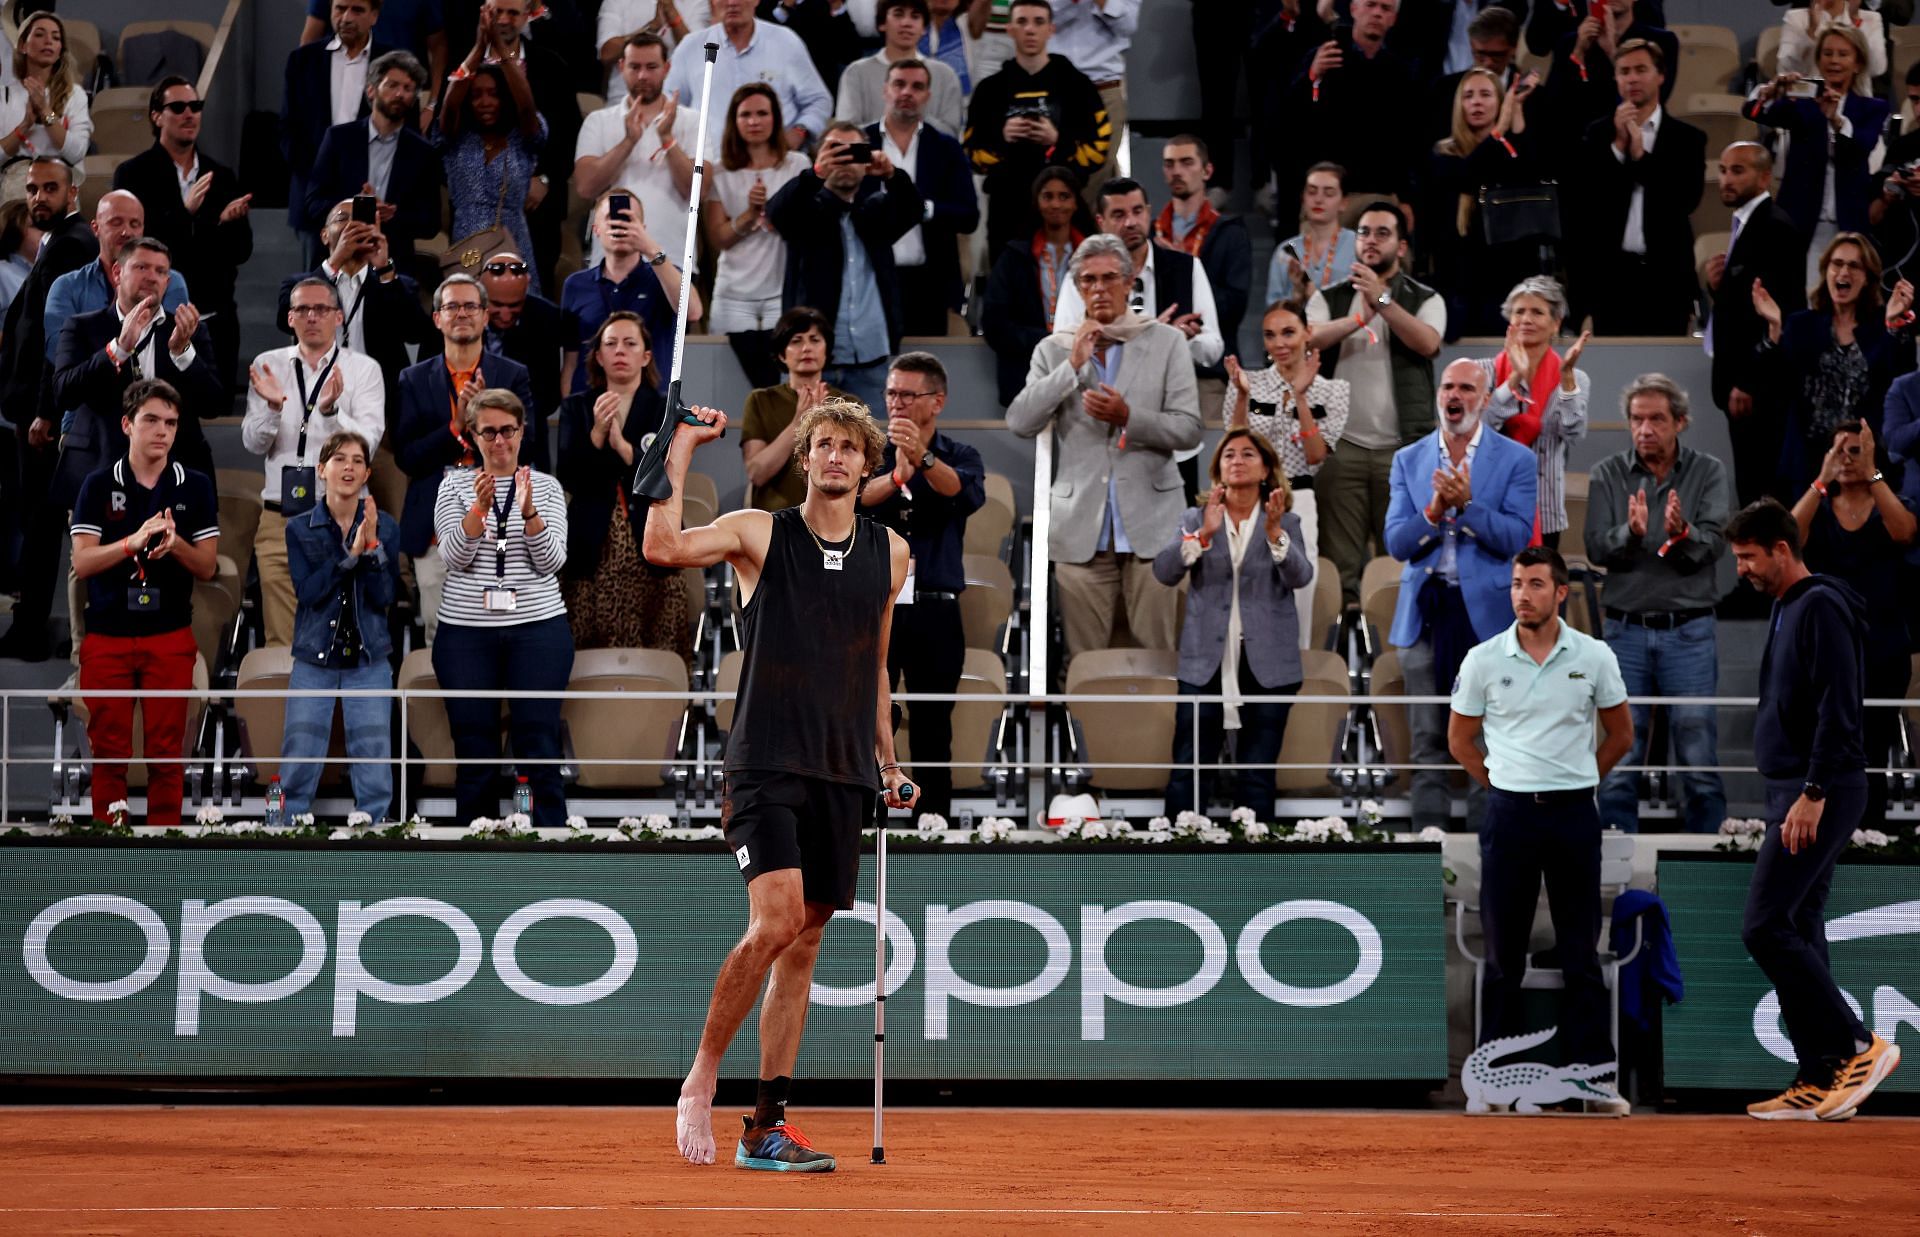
{"type": "Point", "coordinates": [157, 662]}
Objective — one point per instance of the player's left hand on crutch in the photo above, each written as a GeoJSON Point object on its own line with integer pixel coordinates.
{"type": "Point", "coordinates": [900, 788]}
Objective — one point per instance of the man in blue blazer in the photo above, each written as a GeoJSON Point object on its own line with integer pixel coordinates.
{"type": "Point", "coordinates": [1461, 505]}
{"type": "Point", "coordinates": [433, 397]}
{"type": "Point", "coordinates": [406, 176]}
{"type": "Point", "coordinates": [309, 105]}
{"type": "Point", "coordinates": [930, 287]}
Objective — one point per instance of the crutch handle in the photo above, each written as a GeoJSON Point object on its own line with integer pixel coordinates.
{"type": "Point", "coordinates": [907, 791]}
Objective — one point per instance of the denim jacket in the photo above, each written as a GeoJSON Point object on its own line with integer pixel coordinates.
{"type": "Point", "coordinates": [319, 563]}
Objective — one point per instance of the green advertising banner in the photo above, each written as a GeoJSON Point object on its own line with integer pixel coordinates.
{"type": "Point", "coordinates": [1728, 1033]}
{"type": "Point", "coordinates": [261, 961]}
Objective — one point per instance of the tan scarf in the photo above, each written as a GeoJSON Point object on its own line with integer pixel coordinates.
{"type": "Point", "coordinates": [1122, 330]}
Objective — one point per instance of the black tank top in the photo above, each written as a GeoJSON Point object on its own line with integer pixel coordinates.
{"type": "Point", "coordinates": [811, 677]}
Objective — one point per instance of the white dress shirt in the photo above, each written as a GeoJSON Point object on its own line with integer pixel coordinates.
{"type": "Point", "coordinates": [347, 78]}
{"type": "Point", "coordinates": [362, 408]}
{"type": "Point", "coordinates": [187, 176]}
{"type": "Point", "coordinates": [1094, 36]}
{"type": "Point", "coordinates": [910, 249]}
{"type": "Point", "coordinates": [663, 207]}
{"type": "Point", "coordinates": [1633, 238]}
{"type": "Point", "coordinates": [145, 354]}
{"type": "Point", "coordinates": [350, 288]}
{"type": "Point", "coordinates": [1206, 348]}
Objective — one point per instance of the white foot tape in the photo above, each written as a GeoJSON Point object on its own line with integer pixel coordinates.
{"type": "Point", "coordinates": [693, 1130]}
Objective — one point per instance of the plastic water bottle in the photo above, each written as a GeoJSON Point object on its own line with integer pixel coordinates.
{"type": "Point", "coordinates": [522, 797]}
{"type": "Point", "coordinates": [276, 805]}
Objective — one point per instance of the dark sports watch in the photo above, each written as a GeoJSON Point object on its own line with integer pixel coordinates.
{"type": "Point", "coordinates": [1814, 792]}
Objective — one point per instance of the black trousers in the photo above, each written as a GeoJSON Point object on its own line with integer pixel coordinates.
{"type": "Point", "coordinates": [925, 297]}
{"type": "Point", "coordinates": [1223, 38]}
{"type": "Point", "coordinates": [927, 650]}
{"type": "Point", "coordinates": [41, 530]}
{"type": "Point", "coordinates": [1785, 925]}
{"type": "Point", "coordinates": [1756, 439]}
{"type": "Point", "coordinates": [1524, 838]}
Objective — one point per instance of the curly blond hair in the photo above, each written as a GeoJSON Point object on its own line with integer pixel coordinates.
{"type": "Point", "coordinates": [847, 414]}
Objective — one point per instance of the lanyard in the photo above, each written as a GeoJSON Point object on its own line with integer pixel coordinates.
{"type": "Point", "coordinates": [359, 296]}
{"type": "Point", "coordinates": [500, 513]}
{"type": "Point", "coordinates": [309, 402]}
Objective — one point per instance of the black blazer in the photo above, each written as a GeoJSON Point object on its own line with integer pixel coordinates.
{"type": "Point", "coordinates": [1670, 174]}
{"type": "Point", "coordinates": [339, 169]}
{"type": "Point", "coordinates": [1227, 258]}
{"type": "Point", "coordinates": [807, 215]}
{"type": "Point", "coordinates": [207, 253]}
{"type": "Point", "coordinates": [306, 108]}
{"type": "Point", "coordinates": [544, 331]}
{"type": "Point", "coordinates": [592, 475]}
{"type": "Point", "coordinates": [1567, 104]}
{"type": "Point", "coordinates": [394, 318]}
{"type": "Point", "coordinates": [68, 245]}
{"type": "Point", "coordinates": [1803, 183]}
{"type": "Point", "coordinates": [945, 178]}
{"type": "Point", "coordinates": [424, 447]}
{"type": "Point", "coordinates": [86, 380]}
{"type": "Point", "coordinates": [1013, 316]}
{"type": "Point", "coordinates": [1771, 249]}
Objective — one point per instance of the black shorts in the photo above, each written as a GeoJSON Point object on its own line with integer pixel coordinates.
{"type": "Point", "coordinates": [775, 820]}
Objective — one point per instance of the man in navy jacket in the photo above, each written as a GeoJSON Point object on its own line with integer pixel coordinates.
{"type": "Point", "coordinates": [927, 258]}
{"type": "Point", "coordinates": [407, 177]}
{"type": "Point", "coordinates": [310, 102]}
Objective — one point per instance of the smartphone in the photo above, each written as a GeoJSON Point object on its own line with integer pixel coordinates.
{"type": "Point", "coordinates": [366, 208]}
{"type": "Point", "coordinates": [620, 206]}
{"type": "Point", "coordinates": [1343, 35]}
{"type": "Point", "coordinates": [1805, 88]}
{"type": "Point", "coordinates": [857, 152]}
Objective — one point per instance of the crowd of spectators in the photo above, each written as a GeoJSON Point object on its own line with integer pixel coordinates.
{"type": "Point", "coordinates": [1420, 181]}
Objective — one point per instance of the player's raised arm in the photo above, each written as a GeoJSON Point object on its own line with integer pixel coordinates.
{"type": "Point", "coordinates": [739, 537]}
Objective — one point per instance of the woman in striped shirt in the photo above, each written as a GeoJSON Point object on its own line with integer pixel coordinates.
{"type": "Point", "coordinates": [503, 625]}
{"type": "Point", "coordinates": [1539, 397]}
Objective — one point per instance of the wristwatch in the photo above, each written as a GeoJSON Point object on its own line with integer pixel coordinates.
{"type": "Point", "coordinates": [657, 258]}
{"type": "Point", "coordinates": [1877, 477]}
{"type": "Point", "coordinates": [1384, 299]}
{"type": "Point", "coordinates": [1814, 792]}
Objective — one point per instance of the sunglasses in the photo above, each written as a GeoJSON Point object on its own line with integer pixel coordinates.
{"type": "Point", "coordinates": [494, 433]}
{"type": "Point", "coordinates": [180, 107]}
{"type": "Point", "coordinates": [505, 268]}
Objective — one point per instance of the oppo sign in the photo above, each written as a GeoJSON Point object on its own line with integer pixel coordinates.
{"type": "Point", "coordinates": [196, 980]}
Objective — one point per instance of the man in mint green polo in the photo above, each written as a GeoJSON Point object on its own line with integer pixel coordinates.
{"type": "Point", "coordinates": [1534, 693]}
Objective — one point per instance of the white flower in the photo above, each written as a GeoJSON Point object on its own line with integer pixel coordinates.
{"type": "Point", "coordinates": [1189, 824]}
{"type": "Point", "coordinates": [417, 821]}
{"type": "Point", "coordinates": [932, 823]}
{"type": "Point", "coordinates": [482, 824]}
{"type": "Point", "coordinates": [1155, 837]}
{"type": "Point", "coordinates": [577, 823]}
{"type": "Point", "coordinates": [659, 823]}
{"type": "Point", "coordinates": [1432, 833]}
{"type": "Point", "coordinates": [1871, 837]}
{"type": "Point", "coordinates": [1736, 828]}
{"type": "Point", "coordinates": [209, 815]}
{"type": "Point", "coordinates": [359, 820]}
{"type": "Point", "coordinates": [627, 824]}
{"type": "Point", "coordinates": [518, 821]}
{"type": "Point", "coordinates": [1095, 828]}
{"type": "Point", "coordinates": [303, 821]}
{"type": "Point", "coordinates": [995, 829]}
{"type": "Point", "coordinates": [1325, 829]}
{"type": "Point", "coordinates": [1215, 834]}
{"type": "Point", "coordinates": [1159, 824]}
{"type": "Point", "coordinates": [1256, 832]}
{"type": "Point", "coordinates": [1371, 811]}
{"type": "Point", "coordinates": [1120, 829]}
{"type": "Point", "coordinates": [1069, 830]}
{"type": "Point", "coordinates": [118, 809]}
{"type": "Point", "coordinates": [1242, 816]}
{"type": "Point", "coordinates": [708, 833]}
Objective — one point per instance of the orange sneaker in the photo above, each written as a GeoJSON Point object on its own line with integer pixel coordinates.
{"type": "Point", "coordinates": [1857, 1079]}
{"type": "Point", "coordinates": [1799, 1102]}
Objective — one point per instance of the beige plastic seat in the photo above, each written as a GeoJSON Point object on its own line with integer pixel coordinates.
{"type": "Point", "coordinates": [624, 729]}
{"type": "Point", "coordinates": [1313, 729]}
{"type": "Point", "coordinates": [1906, 50]}
{"type": "Point", "coordinates": [196, 708]}
{"type": "Point", "coordinates": [215, 602]}
{"type": "Point", "coordinates": [727, 680]}
{"type": "Point", "coordinates": [699, 502]}
{"type": "Point", "coordinates": [987, 601]}
{"type": "Point", "coordinates": [83, 46]}
{"type": "Point", "coordinates": [1381, 570]}
{"type": "Point", "coordinates": [1711, 215]}
{"type": "Point", "coordinates": [1126, 732]}
{"type": "Point", "coordinates": [200, 32]}
{"type": "Point", "coordinates": [1767, 50]}
{"type": "Point", "coordinates": [120, 124]}
{"type": "Point", "coordinates": [988, 527]}
{"type": "Point", "coordinates": [238, 491]}
{"type": "Point", "coordinates": [589, 102]}
{"type": "Point", "coordinates": [97, 180]}
{"type": "Point", "coordinates": [1326, 601]}
{"type": "Point", "coordinates": [1573, 544]}
{"type": "Point", "coordinates": [427, 724]}
{"type": "Point", "coordinates": [387, 483]}
{"type": "Point", "coordinates": [1709, 57]}
{"type": "Point", "coordinates": [1387, 679]}
{"type": "Point", "coordinates": [974, 722]}
{"type": "Point", "coordinates": [1717, 114]}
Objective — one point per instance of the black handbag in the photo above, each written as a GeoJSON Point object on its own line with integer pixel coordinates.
{"type": "Point", "coordinates": [1510, 213]}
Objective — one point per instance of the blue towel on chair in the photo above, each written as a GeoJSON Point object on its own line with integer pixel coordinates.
{"type": "Point", "coordinates": [1657, 966]}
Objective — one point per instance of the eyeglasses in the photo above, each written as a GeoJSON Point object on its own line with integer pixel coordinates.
{"type": "Point", "coordinates": [313, 311]}
{"type": "Point", "coordinates": [505, 268]}
{"type": "Point", "coordinates": [180, 107]}
{"type": "Point", "coordinates": [497, 433]}
{"type": "Point", "coordinates": [458, 308]}
{"type": "Point", "coordinates": [906, 397]}
{"type": "Point", "coordinates": [1093, 280]}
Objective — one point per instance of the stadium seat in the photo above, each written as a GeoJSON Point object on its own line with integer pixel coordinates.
{"type": "Point", "coordinates": [727, 680]}
{"type": "Point", "coordinates": [987, 601]}
{"type": "Point", "coordinates": [1718, 116]}
{"type": "Point", "coordinates": [1381, 570]}
{"type": "Point", "coordinates": [588, 102]}
{"type": "Point", "coordinates": [1385, 678]}
{"type": "Point", "coordinates": [1326, 602]}
{"type": "Point", "coordinates": [1767, 51]}
{"type": "Point", "coordinates": [1712, 215]}
{"type": "Point", "coordinates": [427, 725]}
{"type": "Point", "coordinates": [387, 483]}
{"type": "Point", "coordinates": [199, 31]}
{"type": "Point", "coordinates": [215, 602]}
{"type": "Point", "coordinates": [988, 527]}
{"type": "Point", "coordinates": [624, 729]}
{"type": "Point", "coordinates": [96, 173]}
{"type": "Point", "coordinates": [1906, 50]}
{"type": "Point", "coordinates": [1126, 732]}
{"type": "Point", "coordinates": [1313, 730]}
{"type": "Point", "coordinates": [975, 723]}
{"type": "Point", "coordinates": [1378, 611]}
{"type": "Point", "coordinates": [1709, 57]}
{"type": "Point", "coordinates": [120, 124]}
{"type": "Point", "coordinates": [83, 45]}
{"type": "Point", "coordinates": [1573, 544]}
{"type": "Point", "coordinates": [699, 501]}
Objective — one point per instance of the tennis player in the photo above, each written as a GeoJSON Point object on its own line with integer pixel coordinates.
{"type": "Point", "coordinates": [1806, 741]}
{"type": "Point", "coordinates": [812, 722]}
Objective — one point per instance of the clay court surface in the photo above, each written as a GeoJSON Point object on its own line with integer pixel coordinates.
{"type": "Point", "coordinates": [283, 1170]}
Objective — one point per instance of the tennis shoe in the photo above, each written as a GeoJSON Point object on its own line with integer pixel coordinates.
{"type": "Point", "coordinates": [1856, 1080]}
{"type": "Point", "coordinates": [1799, 1102]}
{"type": "Point", "coordinates": [779, 1148]}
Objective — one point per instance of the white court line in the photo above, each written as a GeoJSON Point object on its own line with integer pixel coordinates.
{"type": "Point", "coordinates": [750, 1210]}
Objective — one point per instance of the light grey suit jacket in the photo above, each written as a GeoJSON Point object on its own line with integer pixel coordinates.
{"type": "Point", "coordinates": [1156, 377]}
{"type": "Point", "coordinates": [1269, 623]}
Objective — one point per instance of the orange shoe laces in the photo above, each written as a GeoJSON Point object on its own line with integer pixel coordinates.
{"type": "Point", "coordinates": [792, 1131]}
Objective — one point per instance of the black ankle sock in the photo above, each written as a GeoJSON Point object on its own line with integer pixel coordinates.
{"type": "Point", "coordinates": [772, 1103]}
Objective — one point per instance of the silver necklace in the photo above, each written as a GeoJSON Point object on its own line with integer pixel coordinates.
{"type": "Point", "coordinates": [832, 560]}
